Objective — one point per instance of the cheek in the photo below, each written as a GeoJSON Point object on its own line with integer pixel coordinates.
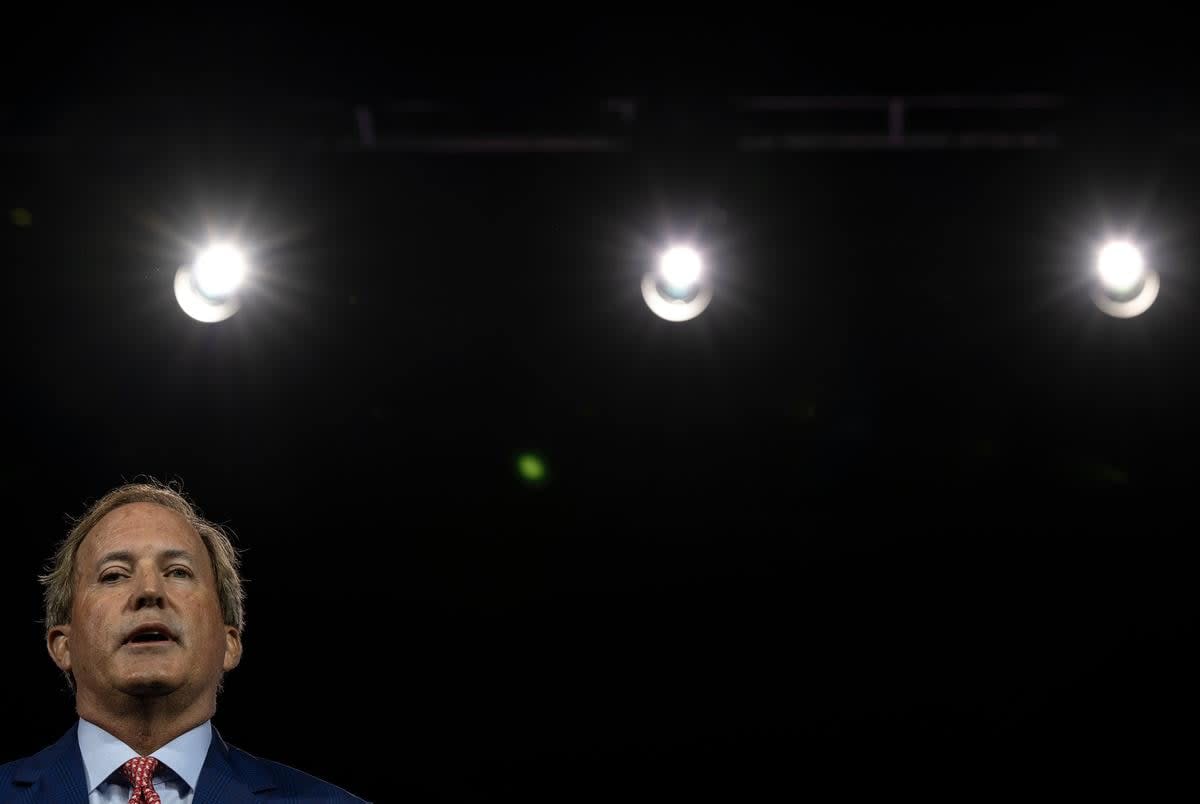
{"type": "Point", "coordinates": [91, 627]}
{"type": "Point", "coordinates": [211, 622]}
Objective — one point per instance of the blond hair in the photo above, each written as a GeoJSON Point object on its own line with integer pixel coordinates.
{"type": "Point", "coordinates": [59, 580]}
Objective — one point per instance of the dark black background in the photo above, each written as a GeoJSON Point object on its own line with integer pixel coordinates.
{"type": "Point", "coordinates": [901, 510]}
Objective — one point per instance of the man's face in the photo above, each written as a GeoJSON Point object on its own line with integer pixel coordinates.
{"type": "Point", "coordinates": [142, 565]}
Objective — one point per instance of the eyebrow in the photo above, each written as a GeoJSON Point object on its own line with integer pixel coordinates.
{"type": "Point", "coordinates": [129, 558]}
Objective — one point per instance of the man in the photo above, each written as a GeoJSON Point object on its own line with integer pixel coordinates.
{"type": "Point", "coordinates": [144, 616]}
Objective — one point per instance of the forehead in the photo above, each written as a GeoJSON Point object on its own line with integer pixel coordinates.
{"type": "Point", "coordinates": [141, 526]}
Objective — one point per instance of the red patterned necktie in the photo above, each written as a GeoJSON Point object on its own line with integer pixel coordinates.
{"type": "Point", "coordinates": [140, 773]}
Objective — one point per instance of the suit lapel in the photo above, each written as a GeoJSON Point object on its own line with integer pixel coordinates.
{"type": "Point", "coordinates": [226, 779]}
{"type": "Point", "coordinates": [60, 767]}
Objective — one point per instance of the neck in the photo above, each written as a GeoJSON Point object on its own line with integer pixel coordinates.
{"type": "Point", "coordinates": [145, 724]}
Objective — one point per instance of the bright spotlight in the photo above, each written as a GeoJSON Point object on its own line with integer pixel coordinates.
{"type": "Point", "coordinates": [678, 290]}
{"type": "Point", "coordinates": [1126, 286]}
{"type": "Point", "coordinates": [1121, 266]}
{"type": "Point", "coordinates": [207, 289]}
{"type": "Point", "coordinates": [680, 267]}
{"type": "Point", "coordinates": [219, 270]}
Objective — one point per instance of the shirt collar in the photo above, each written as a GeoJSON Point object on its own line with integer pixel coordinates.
{"type": "Point", "coordinates": [103, 754]}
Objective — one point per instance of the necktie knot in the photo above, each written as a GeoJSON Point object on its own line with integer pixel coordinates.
{"type": "Point", "coordinates": [140, 773]}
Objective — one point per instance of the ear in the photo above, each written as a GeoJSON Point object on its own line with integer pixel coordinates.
{"type": "Point", "coordinates": [233, 648]}
{"type": "Point", "coordinates": [58, 642]}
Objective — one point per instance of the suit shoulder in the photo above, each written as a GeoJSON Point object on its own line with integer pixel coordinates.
{"type": "Point", "coordinates": [291, 781]}
{"type": "Point", "coordinates": [7, 770]}
{"type": "Point", "coordinates": [10, 788]}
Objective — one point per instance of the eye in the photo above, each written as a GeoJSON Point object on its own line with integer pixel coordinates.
{"type": "Point", "coordinates": [110, 576]}
{"type": "Point", "coordinates": [186, 572]}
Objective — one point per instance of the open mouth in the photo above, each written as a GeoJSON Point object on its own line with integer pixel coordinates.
{"type": "Point", "coordinates": [148, 638]}
{"type": "Point", "coordinates": [151, 634]}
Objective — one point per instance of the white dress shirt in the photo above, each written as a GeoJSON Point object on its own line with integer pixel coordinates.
{"type": "Point", "coordinates": [179, 764]}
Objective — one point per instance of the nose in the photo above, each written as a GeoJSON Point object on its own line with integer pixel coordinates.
{"type": "Point", "coordinates": [151, 591]}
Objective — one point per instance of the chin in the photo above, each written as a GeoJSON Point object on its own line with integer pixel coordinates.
{"type": "Point", "coordinates": [148, 687]}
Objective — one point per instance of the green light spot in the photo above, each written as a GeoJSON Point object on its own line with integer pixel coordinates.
{"type": "Point", "coordinates": [531, 468]}
{"type": "Point", "coordinates": [21, 217]}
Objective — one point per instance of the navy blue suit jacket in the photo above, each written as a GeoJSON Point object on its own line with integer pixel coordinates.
{"type": "Point", "coordinates": [229, 776]}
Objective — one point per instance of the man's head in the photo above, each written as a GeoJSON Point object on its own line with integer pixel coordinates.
{"type": "Point", "coordinates": [142, 560]}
